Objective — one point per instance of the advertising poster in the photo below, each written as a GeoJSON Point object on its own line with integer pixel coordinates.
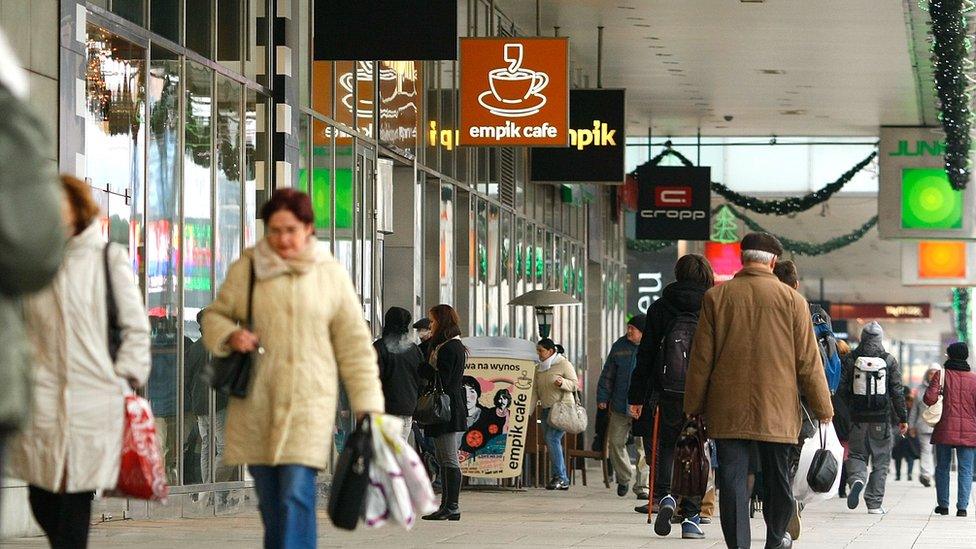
{"type": "Point", "coordinates": [498, 387]}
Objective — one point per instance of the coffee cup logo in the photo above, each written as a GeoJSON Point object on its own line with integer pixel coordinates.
{"type": "Point", "coordinates": [514, 91]}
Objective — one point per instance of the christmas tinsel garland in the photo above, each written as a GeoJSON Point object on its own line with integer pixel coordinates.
{"type": "Point", "coordinates": [797, 247]}
{"type": "Point", "coordinates": [960, 309]}
{"type": "Point", "coordinates": [774, 207]}
{"type": "Point", "coordinates": [952, 68]}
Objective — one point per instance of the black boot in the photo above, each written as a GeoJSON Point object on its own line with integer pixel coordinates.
{"type": "Point", "coordinates": [449, 497]}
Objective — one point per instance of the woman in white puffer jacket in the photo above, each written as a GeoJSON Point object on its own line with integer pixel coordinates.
{"type": "Point", "coordinates": [73, 442]}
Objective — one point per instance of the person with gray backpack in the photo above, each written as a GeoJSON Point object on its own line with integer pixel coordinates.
{"type": "Point", "coordinates": [871, 386]}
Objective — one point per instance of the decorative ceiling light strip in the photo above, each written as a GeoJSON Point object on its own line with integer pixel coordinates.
{"type": "Point", "coordinates": [952, 68]}
{"type": "Point", "coordinates": [785, 206]}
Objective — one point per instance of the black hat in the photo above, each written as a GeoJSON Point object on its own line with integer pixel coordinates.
{"type": "Point", "coordinates": [958, 351]}
{"type": "Point", "coordinates": [422, 324]}
{"type": "Point", "coordinates": [763, 242]}
{"type": "Point", "coordinates": [637, 321]}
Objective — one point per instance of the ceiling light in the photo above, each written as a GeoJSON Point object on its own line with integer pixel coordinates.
{"type": "Point", "coordinates": [665, 55]}
{"type": "Point", "coordinates": [642, 25]}
{"type": "Point", "coordinates": [676, 70]}
{"type": "Point", "coordinates": [793, 112]}
{"type": "Point", "coordinates": [752, 1]}
{"type": "Point", "coordinates": [635, 18]}
{"type": "Point", "coordinates": [627, 7]}
{"type": "Point", "coordinates": [651, 38]}
{"type": "Point", "coordinates": [771, 71]}
{"type": "Point", "coordinates": [669, 62]}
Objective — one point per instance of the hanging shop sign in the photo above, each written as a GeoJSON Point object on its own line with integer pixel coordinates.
{"type": "Point", "coordinates": [880, 311]}
{"type": "Point", "coordinates": [498, 381]}
{"type": "Point", "coordinates": [674, 203]}
{"type": "Point", "coordinates": [647, 275]}
{"type": "Point", "coordinates": [385, 29]}
{"type": "Point", "coordinates": [915, 197]}
{"type": "Point", "coordinates": [949, 263]}
{"type": "Point", "coordinates": [514, 92]}
{"type": "Point", "coordinates": [596, 142]}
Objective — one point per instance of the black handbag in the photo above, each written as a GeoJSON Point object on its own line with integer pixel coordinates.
{"type": "Point", "coordinates": [347, 495]}
{"type": "Point", "coordinates": [823, 468]}
{"type": "Point", "coordinates": [434, 406]}
{"type": "Point", "coordinates": [232, 373]}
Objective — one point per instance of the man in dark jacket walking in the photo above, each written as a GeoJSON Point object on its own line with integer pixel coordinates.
{"type": "Point", "coordinates": [611, 395]}
{"type": "Point", "coordinates": [870, 435]}
{"type": "Point", "coordinates": [694, 277]}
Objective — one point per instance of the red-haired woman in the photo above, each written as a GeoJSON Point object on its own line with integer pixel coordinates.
{"type": "Point", "coordinates": [309, 322]}
{"type": "Point", "coordinates": [446, 361]}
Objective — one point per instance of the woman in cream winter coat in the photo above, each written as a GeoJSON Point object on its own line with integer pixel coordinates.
{"type": "Point", "coordinates": [309, 324]}
{"type": "Point", "coordinates": [73, 442]}
{"type": "Point", "coordinates": [555, 381]}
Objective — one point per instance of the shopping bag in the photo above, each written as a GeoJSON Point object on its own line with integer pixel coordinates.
{"type": "Point", "coordinates": [141, 472]}
{"type": "Point", "coordinates": [824, 468]}
{"type": "Point", "coordinates": [399, 489]}
{"type": "Point", "coordinates": [824, 439]}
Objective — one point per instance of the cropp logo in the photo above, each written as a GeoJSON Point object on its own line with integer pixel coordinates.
{"type": "Point", "coordinates": [672, 197]}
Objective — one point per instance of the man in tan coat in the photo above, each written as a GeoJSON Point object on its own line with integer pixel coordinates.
{"type": "Point", "coordinates": [753, 355]}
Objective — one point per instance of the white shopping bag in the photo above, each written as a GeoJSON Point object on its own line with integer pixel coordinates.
{"type": "Point", "coordinates": [801, 489]}
{"type": "Point", "coordinates": [399, 487]}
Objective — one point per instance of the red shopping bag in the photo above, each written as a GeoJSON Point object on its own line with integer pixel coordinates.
{"type": "Point", "coordinates": [141, 475]}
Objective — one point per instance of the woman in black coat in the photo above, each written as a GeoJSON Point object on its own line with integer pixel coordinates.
{"type": "Point", "coordinates": [399, 361]}
{"type": "Point", "coordinates": [446, 362]}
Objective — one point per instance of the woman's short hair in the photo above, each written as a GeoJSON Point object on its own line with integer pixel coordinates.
{"type": "Point", "coordinates": [296, 202]}
{"type": "Point", "coordinates": [786, 272]}
{"type": "Point", "coordinates": [82, 202]}
{"type": "Point", "coordinates": [694, 268]}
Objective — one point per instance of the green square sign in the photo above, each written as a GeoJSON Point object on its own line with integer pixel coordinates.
{"type": "Point", "coordinates": [928, 201]}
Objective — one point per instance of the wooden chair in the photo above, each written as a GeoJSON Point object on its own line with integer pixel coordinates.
{"type": "Point", "coordinates": [576, 453]}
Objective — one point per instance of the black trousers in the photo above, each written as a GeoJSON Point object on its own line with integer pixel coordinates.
{"type": "Point", "coordinates": [65, 518]}
{"type": "Point", "coordinates": [733, 472]}
{"type": "Point", "coordinates": [669, 429]}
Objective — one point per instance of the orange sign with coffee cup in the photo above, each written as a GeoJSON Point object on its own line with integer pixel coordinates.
{"type": "Point", "coordinates": [514, 91]}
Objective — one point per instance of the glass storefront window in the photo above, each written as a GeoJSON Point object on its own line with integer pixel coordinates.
{"type": "Point", "coordinates": [256, 57]}
{"type": "Point", "coordinates": [481, 269]}
{"type": "Point", "coordinates": [493, 268]}
{"type": "Point", "coordinates": [230, 39]}
{"type": "Point", "coordinates": [445, 276]}
{"type": "Point", "coordinates": [304, 152]}
{"type": "Point", "coordinates": [164, 18]}
{"type": "Point", "coordinates": [230, 196]}
{"type": "Point", "coordinates": [198, 22]}
{"type": "Point", "coordinates": [521, 258]}
{"type": "Point", "coordinates": [255, 160]}
{"type": "Point", "coordinates": [344, 202]}
{"type": "Point", "coordinates": [133, 10]}
{"type": "Point", "coordinates": [505, 285]}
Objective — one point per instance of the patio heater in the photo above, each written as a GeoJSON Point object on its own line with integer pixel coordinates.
{"type": "Point", "coordinates": [543, 302]}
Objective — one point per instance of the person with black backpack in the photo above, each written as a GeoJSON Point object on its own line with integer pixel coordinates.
{"type": "Point", "coordinates": [871, 386]}
{"type": "Point", "coordinates": [659, 381]}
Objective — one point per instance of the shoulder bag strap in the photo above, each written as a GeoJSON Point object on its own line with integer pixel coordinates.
{"type": "Point", "coordinates": [250, 296]}
{"type": "Point", "coordinates": [111, 306]}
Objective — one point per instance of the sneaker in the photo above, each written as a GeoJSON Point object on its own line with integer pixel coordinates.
{"type": "Point", "coordinates": [622, 490]}
{"type": "Point", "coordinates": [704, 520]}
{"type": "Point", "coordinates": [877, 511]}
{"type": "Point", "coordinates": [662, 525]}
{"type": "Point", "coordinates": [794, 527]}
{"type": "Point", "coordinates": [561, 485]}
{"type": "Point", "coordinates": [690, 528]}
{"type": "Point", "coordinates": [926, 481]}
{"type": "Point", "coordinates": [960, 512]}
{"type": "Point", "coordinates": [941, 510]}
{"type": "Point", "coordinates": [642, 509]}
{"type": "Point", "coordinates": [854, 496]}
{"type": "Point", "coordinates": [642, 496]}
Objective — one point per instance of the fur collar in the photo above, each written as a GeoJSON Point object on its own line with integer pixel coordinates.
{"type": "Point", "coordinates": [268, 264]}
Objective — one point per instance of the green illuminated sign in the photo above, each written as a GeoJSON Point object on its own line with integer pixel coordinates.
{"type": "Point", "coordinates": [928, 201]}
{"type": "Point", "coordinates": [920, 148]}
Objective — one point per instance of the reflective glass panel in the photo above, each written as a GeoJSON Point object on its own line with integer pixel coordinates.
{"type": "Point", "coordinates": [255, 159]}
{"type": "Point", "coordinates": [164, 18]}
{"type": "Point", "coordinates": [504, 287]}
{"type": "Point", "coordinates": [230, 30]}
{"type": "Point", "coordinates": [493, 268]}
{"type": "Point", "coordinates": [445, 271]}
{"type": "Point", "coordinates": [481, 266]}
{"type": "Point", "coordinates": [199, 26]}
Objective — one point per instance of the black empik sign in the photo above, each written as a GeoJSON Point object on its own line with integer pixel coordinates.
{"type": "Point", "coordinates": [597, 142]}
{"type": "Point", "coordinates": [673, 203]}
{"type": "Point", "coordinates": [371, 30]}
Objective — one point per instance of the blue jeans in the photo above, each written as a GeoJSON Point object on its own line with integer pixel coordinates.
{"type": "Point", "coordinates": [286, 499]}
{"type": "Point", "coordinates": [943, 462]}
{"type": "Point", "coordinates": [554, 441]}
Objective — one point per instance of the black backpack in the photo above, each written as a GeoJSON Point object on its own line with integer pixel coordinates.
{"type": "Point", "coordinates": [674, 352]}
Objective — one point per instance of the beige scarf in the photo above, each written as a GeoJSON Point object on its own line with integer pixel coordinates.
{"type": "Point", "coordinates": [268, 264]}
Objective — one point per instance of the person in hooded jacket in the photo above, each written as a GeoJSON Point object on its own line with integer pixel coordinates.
{"type": "Point", "coordinates": [956, 429]}
{"type": "Point", "coordinates": [694, 276]}
{"type": "Point", "coordinates": [917, 427]}
{"type": "Point", "coordinates": [400, 360]}
{"type": "Point", "coordinates": [72, 446]}
{"type": "Point", "coordinates": [871, 430]}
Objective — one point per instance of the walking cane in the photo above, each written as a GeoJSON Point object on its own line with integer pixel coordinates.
{"type": "Point", "coordinates": [652, 474]}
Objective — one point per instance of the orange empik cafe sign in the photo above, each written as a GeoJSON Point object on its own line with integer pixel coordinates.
{"type": "Point", "coordinates": [514, 91]}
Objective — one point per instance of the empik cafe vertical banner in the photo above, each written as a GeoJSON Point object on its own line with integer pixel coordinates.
{"type": "Point", "coordinates": [498, 382]}
{"type": "Point", "coordinates": [514, 92]}
{"type": "Point", "coordinates": [915, 199]}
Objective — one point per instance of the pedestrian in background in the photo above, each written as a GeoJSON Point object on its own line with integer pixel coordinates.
{"type": "Point", "coordinates": [906, 448]}
{"type": "Point", "coordinates": [754, 354]}
{"type": "Point", "coordinates": [307, 330]}
{"type": "Point", "coordinates": [422, 327]}
{"type": "Point", "coordinates": [32, 235]}
{"type": "Point", "coordinates": [956, 429]}
{"type": "Point", "coordinates": [73, 443]}
{"type": "Point", "coordinates": [400, 360]}
{"type": "Point", "coordinates": [555, 381]}
{"type": "Point", "coordinates": [918, 428]}
{"type": "Point", "coordinates": [658, 384]}
{"type": "Point", "coordinates": [611, 395]}
{"type": "Point", "coordinates": [871, 408]}
{"type": "Point", "coordinates": [447, 360]}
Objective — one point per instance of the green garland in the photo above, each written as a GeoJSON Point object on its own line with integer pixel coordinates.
{"type": "Point", "coordinates": [961, 312]}
{"type": "Point", "coordinates": [952, 68]}
{"type": "Point", "coordinates": [797, 247]}
{"type": "Point", "coordinates": [774, 207]}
